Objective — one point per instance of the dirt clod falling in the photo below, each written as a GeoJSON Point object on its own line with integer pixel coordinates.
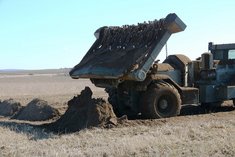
{"type": "Point", "coordinates": [84, 112]}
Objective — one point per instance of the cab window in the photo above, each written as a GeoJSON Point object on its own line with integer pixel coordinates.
{"type": "Point", "coordinates": [231, 54]}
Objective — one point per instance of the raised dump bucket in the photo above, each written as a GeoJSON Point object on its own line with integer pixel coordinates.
{"type": "Point", "coordinates": [126, 52]}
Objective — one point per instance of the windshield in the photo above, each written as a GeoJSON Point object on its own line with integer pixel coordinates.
{"type": "Point", "coordinates": [231, 54]}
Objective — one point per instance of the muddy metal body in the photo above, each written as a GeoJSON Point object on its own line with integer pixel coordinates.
{"type": "Point", "coordinates": [217, 81]}
{"type": "Point", "coordinates": [122, 60]}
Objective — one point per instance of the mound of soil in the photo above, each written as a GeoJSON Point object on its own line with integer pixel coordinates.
{"type": "Point", "coordinates": [37, 110]}
{"type": "Point", "coordinates": [9, 108]}
{"type": "Point", "coordinates": [84, 112]}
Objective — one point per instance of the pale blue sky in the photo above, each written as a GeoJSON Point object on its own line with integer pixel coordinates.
{"type": "Point", "coordinates": [42, 34]}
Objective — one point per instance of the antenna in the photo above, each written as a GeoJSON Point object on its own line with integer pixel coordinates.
{"type": "Point", "coordinates": [166, 50]}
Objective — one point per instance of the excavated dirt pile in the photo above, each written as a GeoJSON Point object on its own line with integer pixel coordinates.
{"type": "Point", "coordinates": [37, 110]}
{"type": "Point", "coordinates": [84, 112]}
{"type": "Point", "coordinates": [9, 108]}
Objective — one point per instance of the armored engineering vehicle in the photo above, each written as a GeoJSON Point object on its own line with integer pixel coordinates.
{"type": "Point", "coordinates": [123, 61]}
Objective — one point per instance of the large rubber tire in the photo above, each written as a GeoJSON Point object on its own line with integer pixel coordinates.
{"type": "Point", "coordinates": [113, 99]}
{"type": "Point", "coordinates": [161, 100]}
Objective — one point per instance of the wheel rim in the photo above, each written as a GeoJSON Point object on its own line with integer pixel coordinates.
{"type": "Point", "coordinates": [164, 105]}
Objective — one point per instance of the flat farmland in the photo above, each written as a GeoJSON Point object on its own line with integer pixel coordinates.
{"type": "Point", "coordinates": [211, 134]}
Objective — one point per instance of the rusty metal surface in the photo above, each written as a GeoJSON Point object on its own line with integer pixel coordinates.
{"type": "Point", "coordinates": [164, 67]}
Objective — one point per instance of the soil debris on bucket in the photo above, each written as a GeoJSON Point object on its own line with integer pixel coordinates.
{"type": "Point", "coordinates": [84, 112]}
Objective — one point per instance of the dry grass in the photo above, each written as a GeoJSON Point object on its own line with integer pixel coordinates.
{"type": "Point", "coordinates": [191, 136]}
{"type": "Point", "coordinates": [199, 135]}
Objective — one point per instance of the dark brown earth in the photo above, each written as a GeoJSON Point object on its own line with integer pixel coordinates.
{"type": "Point", "coordinates": [37, 110]}
{"type": "Point", "coordinates": [9, 108]}
{"type": "Point", "coordinates": [84, 112]}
